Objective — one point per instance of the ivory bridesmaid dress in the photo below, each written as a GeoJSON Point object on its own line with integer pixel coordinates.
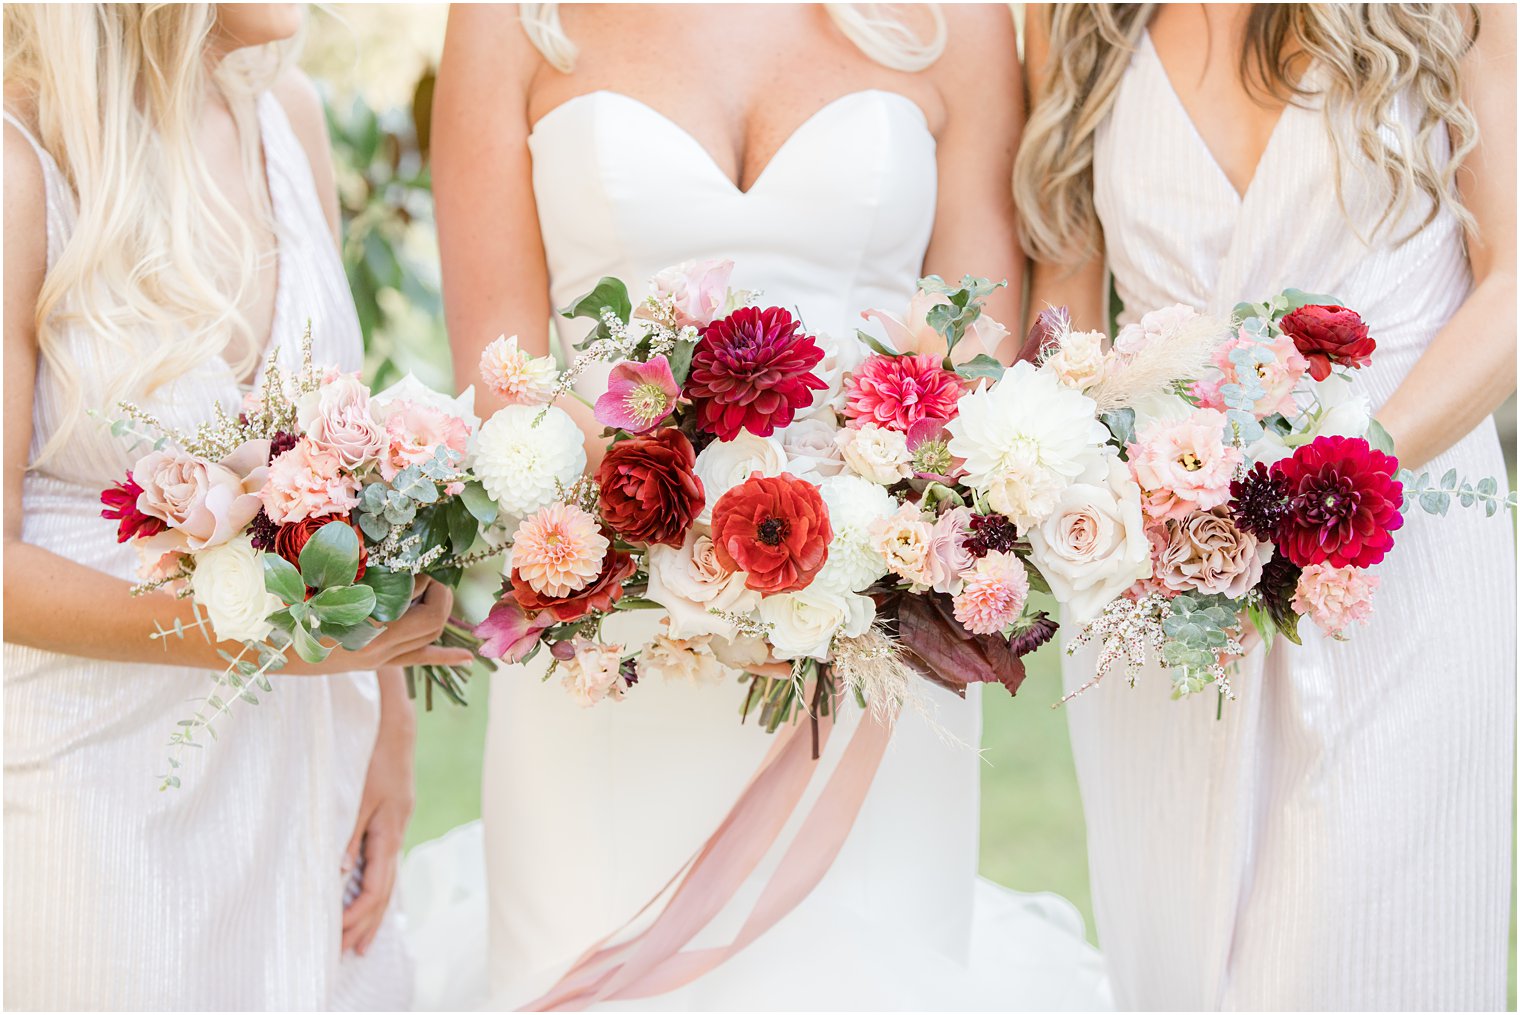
{"type": "Point", "coordinates": [226, 893]}
{"type": "Point", "coordinates": [1340, 838]}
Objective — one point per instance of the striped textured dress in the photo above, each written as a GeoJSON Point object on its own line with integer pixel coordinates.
{"type": "Point", "coordinates": [1340, 838]}
{"type": "Point", "coordinates": [226, 893]}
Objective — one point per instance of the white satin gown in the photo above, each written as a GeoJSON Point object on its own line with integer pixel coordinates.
{"type": "Point", "coordinates": [589, 812]}
{"type": "Point", "coordinates": [1340, 839]}
{"type": "Point", "coordinates": [225, 894]}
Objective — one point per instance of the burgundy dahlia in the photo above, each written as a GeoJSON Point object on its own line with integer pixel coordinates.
{"type": "Point", "coordinates": [1343, 503]}
{"type": "Point", "coordinates": [752, 370]}
{"type": "Point", "coordinates": [1258, 501]}
{"type": "Point", "coordinates": [1031, 631]}
{"type": "Point", "coordinates": [1329, 334]}
{"type": "Point", "coordinates": [991, 532]}
{"type": "Point", "coordinates": [121, 503]}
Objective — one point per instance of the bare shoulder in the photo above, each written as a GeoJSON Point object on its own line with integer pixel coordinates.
{"type": "Point", "coordinates": [489, 40]}
{"type": "Point", "coordinates": [299, 98]}
{"type": "Point", "coordinates": [981, 53]}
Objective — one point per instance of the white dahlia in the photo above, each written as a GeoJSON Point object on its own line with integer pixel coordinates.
{"type": "Point", "coordinates": [855, 505]}
{"type": "Point", "coordinates": [1024, 440]}
{"type": "Point", "coordinates": [522, 465]}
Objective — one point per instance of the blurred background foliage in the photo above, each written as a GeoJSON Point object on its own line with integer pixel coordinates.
{"type": "Point", "coordinates": [375, 66]}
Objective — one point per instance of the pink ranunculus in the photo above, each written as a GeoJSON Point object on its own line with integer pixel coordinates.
{"type": "Point", "coordinates": [1335, 597]}
{"type": "Point", "coordinates": [208, 502]}
{"type": "Point", "coordinates": [639, 396]}
{"type": "Point", "coordinates": [509, 632]}
{"type": "Point", "coordinates": [414, 433]}
{"type": "Point", "coordinates": [698, 289]}
{"type": "Point", "coordinates": [1184, 465]}
{"type": "Point", "coordinates": [337, 418]}
{"type": "Point", "coordinates": [898, 391]}
{"type": "Point", "coordinates": [1278, 377]}
{"type": "Point", "coordinates": [911, 333]}
{"type": "Point", "coordinates": [949, 559]}
{"type": "Point", "coordinates": [306, 482]}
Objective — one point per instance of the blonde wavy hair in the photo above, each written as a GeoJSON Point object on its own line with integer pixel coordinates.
{"type": "Point", "coordinates": [160, 261]}
{"type": "Point", "coordinates": [875, 29]}
{"type": "Point", "coordinates": [1371, 54]}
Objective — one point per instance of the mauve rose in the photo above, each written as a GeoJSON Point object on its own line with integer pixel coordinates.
{"type": "Point", "coordinates": [337, 418]}
{"type": "Point", "coordinates": [208, 502]}
{"type": "Point", "coordinates": [949, 560]}
{"type": "Point", "coordinates": [1205, 552]}
{"type": "Point", "coordinates": [1328, 334]}
{"type": "Point", "coordinates": [698, 289]}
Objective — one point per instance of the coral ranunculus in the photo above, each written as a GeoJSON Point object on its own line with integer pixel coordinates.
{"type": "Point", "coordinates": [1329, 335]}
{"type": "Point", "coordinates": [1343, 503]}
{"type": "Point", "coordinates": [290, 540]}
{"type": "Point", "coordinates": [121, 503]}
{"type": "Point", "coordinates": [775, 529]}
{"type": "Point", "coordinates": [649, 491]}
{"type": "Point", "coordinates": [752, 371]}
{"type": "Point", "coordinates": [898, 391]}
{"type": "Point", "coordinates": [600, 595]}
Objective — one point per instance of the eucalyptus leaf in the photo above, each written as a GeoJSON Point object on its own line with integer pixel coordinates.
{"type": "Point", "coordinates": [1379, 438]}
{"type": "Point", "coordinates": [1121, 423]}
{"type": "Point", "coordinates": [979, 366]}
{"type": "Point", "coordinates": [331, 557]}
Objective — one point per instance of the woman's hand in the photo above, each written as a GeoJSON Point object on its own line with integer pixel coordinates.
{"type": "Point", "coordinates": [384, 810]}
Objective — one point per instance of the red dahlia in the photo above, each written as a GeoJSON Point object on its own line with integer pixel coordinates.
{"type": "Point", "coordinates": [898, 391]}
{"type": "Point", "coordinates": [121, 503]}
{"type": "Point", "coordinates": [1343, 503]}
{"type": "Point", "coordinates": [1329, 334]}
{"type": "Point", "coordinates": [649, 493]}
{"type": "Point", "coordinates": [775, 529]}
{"type": "Point", "coordinates": [752, 371]}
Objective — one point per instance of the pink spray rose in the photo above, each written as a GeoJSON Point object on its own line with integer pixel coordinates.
{"type": "Point", "coordinates": [207, 502]}
{"type": "Point", "coordinates": [1184, 465]}
{"type": "Point", "coordinates": [306, 482]}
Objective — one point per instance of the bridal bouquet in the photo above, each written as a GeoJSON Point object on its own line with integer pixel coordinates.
{"type": "Point", "coordinates": [1197, 478]}
{"type": "Point", "coordinates": [790, 500]}
{"type": "Point", "coordinates": [300, 524]}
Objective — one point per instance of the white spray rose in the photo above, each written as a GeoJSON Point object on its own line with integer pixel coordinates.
{"type": "Point", "coordinates": [875, 453]}
{"type": "Point", "coordinates": [723, 465]}
{"type": "Point", "coordinates": [804, 624]}
{"type": "Point", "coordinates": [690, 582]}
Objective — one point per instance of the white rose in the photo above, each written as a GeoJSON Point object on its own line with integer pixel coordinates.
{"type": "Point", "coordinates": [723, 465]}
{"type": "Point", "coordinates": [803, 624]}
{"type": "Point", "coordinates": [742, 653]}
{"type": "Point", "coordinates": [228, 584]}
{"type": "Point", "coordinates": [1078, 361]}
{"type": "Point", "coordinates": [811, 453]}
{"type": "Point", "coordinates": [1093, 545]}
{"type": "Point", "coordinates": [1343, 411]}
{"type": "Point", "coordinates": [690, 582]}
{"type": "Point", "coordinates": [875, 453]}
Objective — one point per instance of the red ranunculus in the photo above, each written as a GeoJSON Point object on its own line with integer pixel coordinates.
{"type": "Point", "coordinates": [121, 503]}
{"type": "Point", "coordinates": [290, 540]}
{"type": "Point", "coordinates": [600, 595]}
{"type": "Point", "coordinates": [1343, 503]}
{"type": "Point", "coordinates": [775, 529]}
{"type": "Point", "coordinates": [752, 371]}
{"type": "Point", "coordinates": [1328, 335]}
{"type": "Point", "coordinates": [649, 493]}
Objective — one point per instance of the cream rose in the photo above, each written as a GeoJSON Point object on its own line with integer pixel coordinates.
{"type": "Point", "coordinates": [228, 584]}
{"type": "Point", "coordinates": [208, 502]}
{"type": "Point", "coordinates": [1092, 546]}
{"type": "Point", "coordinates": [1078, 361]}
{"type": "Point", "coordinates": [688, 660]}
{"type": "Point", "coordinates": [690, 582]}
{"type": "Point", "coordinates": [904, 540]}
{"type": "Point", "coordinates": [723, 465]}
{"type": "Point", "coordinates": [875, 453]}
{"type": "Point", "coordinates": [803, 624]}
{"type": "Point", "coordinates": [811, 453]}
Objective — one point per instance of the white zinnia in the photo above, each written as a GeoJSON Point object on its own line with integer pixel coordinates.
{"type": "Point", "coordinates": [723, 465]}
{"type": "Point", "coordinates": [522, 466]}
{"type": "Point", "coordinates": [803, 624]}
{"type": "Point", "coordinates": [228, 584]}
{"type": "Point", "coordinates": [1024, 439]}
{"type": "Point", "coordinates": [855, 505]}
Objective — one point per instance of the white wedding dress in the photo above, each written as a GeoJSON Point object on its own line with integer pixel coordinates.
{"type": "Point", "coordinates": [589, 812]}
{"type": "Point", "coordinates": [1340, 838]}
{"type": "Point", "coordinates": [225, 894]}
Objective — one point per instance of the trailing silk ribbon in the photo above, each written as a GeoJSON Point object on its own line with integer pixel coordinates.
{"type": "Point", "coordinates": [652, 961]}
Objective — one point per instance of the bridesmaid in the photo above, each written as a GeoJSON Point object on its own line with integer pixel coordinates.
{"type": "Point", "coordinates": [1341, 837]}
{"type": "Point", "coordinates": [169, 214]}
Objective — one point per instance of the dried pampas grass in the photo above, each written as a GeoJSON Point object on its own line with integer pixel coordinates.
{"type": "Point", "coordinates": [872, 666]}
{"type": "Point", "coordinates": [1185, 353]}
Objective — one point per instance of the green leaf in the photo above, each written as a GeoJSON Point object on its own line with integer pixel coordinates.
{"type": "Point", "coordinates": [462, 527]}
{"type": "Point", "coordinates": [1449, 480]}
{"type": "Point", "coordinates": [1379, 438]}
{"type": "Point", "coordinates": [307, 646]}
{"type": "Point", "coordinates": [980, 365]}
{"type": "Point", "coordinates": [1121, 423]}
{"type": "Point", "coordinates": [679, 359]}
{"type": "Point", "coordinates": [609, 294]}
{"type": "Point", "coordinates": [393, 592]}
{"type": "Point", "coordinates": [359, 636]}
{"type": "Point", "coordinates": [479, 503]}
{"type": "Point", "coordinates": [282, 579]}
{"type": "Point", "coordinates": [343, 607]}
{"type": "Point", "coordinates": [1292, 299]}
{"type": "Point", "coordinates": [331, 557]}
{"type": "Point", "coordinates": [877, 347]}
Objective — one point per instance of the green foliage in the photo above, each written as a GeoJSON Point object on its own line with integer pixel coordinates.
{"type": "Point", "coordinates": [282, 579]}
{"type": "Point", "coordinates": [393, 592]}
{"type": "Point", "coordinates": [979, 366]}
{"type": "Point", "coordinates": [609, 294]}
{"type": "Point", "coordinates": [1198, 627]}
{"type": "Point", "coordinates": [963, 309]}
{"type": "Point", "coordinates": [330, 558]}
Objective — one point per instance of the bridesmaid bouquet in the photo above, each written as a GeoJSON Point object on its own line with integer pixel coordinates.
{"type": "Point", "coordinates": [789, 500]}
{"type": "Point", "coordinates": [301, 524]}
{"type": "Point", "coordinates": [1231, 479]}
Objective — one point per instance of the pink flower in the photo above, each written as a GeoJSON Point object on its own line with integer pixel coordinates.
{"type": "Point", "coordinates": [993, 595]}
{"type": "Point", "coordinates": [305, 482]}
{"type": "Point", "coordinates": [1152, 326]}
{"type": "Point", "coordinates": [508, 632]}
{"type": "Point", "coordinates": [1278, 376]}
{"type": "Point", "coordinates": [949, 558]}
{"type": "Point", "coordinates": [1184, 465]}
{"type": "Point", "coordinates": [1335, 597]}
{"type": "Point", "coordinates": [698, 290]}
{"type": "Point", "coordinates": [593, 672]}
{"type": "Point", "coordinates": [206, 502]}
{"type": "Point", "coordinates": [639, 396]}
{"type": "Point", "coordinates": [558, 550]}
{"type": "Point", "coordinates": [336, 417]}
{"type": "Point", "coordinates": [517, 376]}
{"type": "Point", "coordinates": [898, 391]}
{"type": "Point", "coordinates": [929, 444]}
{"type": "Point", "coordinates": [911, 333]}
{"type": "Point", "coordinates": [903, 540]}
{"type": "Point", "coordinates": [414, 433]}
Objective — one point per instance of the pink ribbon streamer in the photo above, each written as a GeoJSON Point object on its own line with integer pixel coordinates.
{"type": "Point", "coordinates": [653, 962]}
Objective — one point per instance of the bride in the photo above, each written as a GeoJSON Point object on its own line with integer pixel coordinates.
{"type": "Point", "coordinates": [835, 155]}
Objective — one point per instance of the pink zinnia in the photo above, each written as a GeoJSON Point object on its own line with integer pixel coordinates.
{"type": "Point", "coordinates": [639, 396]}
{"type": "Point", "coordinates": [1334, 597]}
{"type": "Point", "coordinates": [993, 595]}
{"type": "Point", "coordinates": [898, 391]}
{"type": "Point", "coordinates": [558, 550]}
